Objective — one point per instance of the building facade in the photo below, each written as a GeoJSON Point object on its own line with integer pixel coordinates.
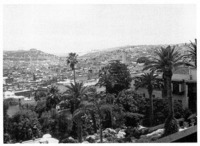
{"type": "Point", "coordinates": [184, 88]}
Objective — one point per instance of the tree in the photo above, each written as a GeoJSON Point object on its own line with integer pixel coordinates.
{"type": "Point", "coordinates": [25, 126]}
{"type": "Point", "coordinates": [193, 52]}
{"type": "Point", "coordinates": [148, 81]}
{"type": "Point", "coordinates": [53, 98]}
{"type": "Point", "coordinates": [40, 107]}
{"type": "Point", "coordinates": [144, 60]}
{"type": "Point", "coordinates": [38, 95]}
{"type": "Point", "coordinates": [132, 106]}
{"type": "Point", "coordinates": [48, 121]}
{"type": "Point", "coordinates": [72, 61]}
{"type": "Point", "coordinates": [166, 61]}
{"type": "Point", "coordinates": [99, 107]}
{"type": "Point", "coordinates": [6, 122]}
{"type": "Point", "coordinates": [77, 118]}
{"type": "Point", "coordinates": [115, 77]}
{"type": "Point", "coordinates": [77, 92]}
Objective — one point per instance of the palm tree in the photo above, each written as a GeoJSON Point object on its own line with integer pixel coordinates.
{"type": "Point", "coordinates": [193, 52]}
{"type": "Point", "coordinates": [78, 119]}
{"type": "Point", "coordinates": [72, 61]}
{"type": "Point", "coordinates": [77, 93]}
{"type": "Point", "coordinates": [96, 104]}
{"type": "Point", "coordinates": [148, 80]}
{"type": "Point", "coordinates": [166, 61]}
{"type": "Point", "coordinates": [53, 97]}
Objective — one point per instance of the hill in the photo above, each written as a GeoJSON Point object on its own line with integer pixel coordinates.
{"type": "Point", "coordinates": [32, 54]}
{"type": "Point", "coordinates": [132, 52]}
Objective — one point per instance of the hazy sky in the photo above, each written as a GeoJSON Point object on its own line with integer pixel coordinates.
{"type": "Point", "coordinates": [80, 28]}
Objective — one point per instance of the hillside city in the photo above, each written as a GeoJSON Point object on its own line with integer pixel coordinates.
{"type": "Point", "coordinates": [44, 93]}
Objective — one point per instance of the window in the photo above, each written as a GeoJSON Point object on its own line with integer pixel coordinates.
{"type": "Point", "coordinates": [175, 87]}
{"type": "Point", "coordinates": [153, 96]}
{"type": "Point", "coordinates": [143, 94]}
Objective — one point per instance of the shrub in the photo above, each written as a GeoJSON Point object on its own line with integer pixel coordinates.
{"type": "Point", "coordinates": [132, 132]}
{"type": "Point", "coordinates": [25, 126]}
{"type": "Point", "coordinates": [171, 126]}
{"type": "Point", "coordinates": [11, 101]}
{"type": "Point", "coordinates": [132, 119]}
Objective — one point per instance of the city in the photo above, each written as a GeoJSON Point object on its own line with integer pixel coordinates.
{"type": "Point", "coordinates": [122, 94]}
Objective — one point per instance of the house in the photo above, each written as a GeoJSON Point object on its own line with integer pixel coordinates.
{"type": "Point", "coordinates": [184, 88]}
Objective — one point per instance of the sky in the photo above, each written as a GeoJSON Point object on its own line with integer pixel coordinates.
{"type": "Point", "coordinates": [60, 29]}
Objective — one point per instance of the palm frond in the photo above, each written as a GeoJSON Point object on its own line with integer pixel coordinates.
{"type": "Point", "coordinates": [77, 115]}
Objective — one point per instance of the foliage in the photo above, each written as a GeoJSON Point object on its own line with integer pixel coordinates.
{"type": "Point", "coordinates": [5, 107]}
{"type": "Point", "coordinates": [53, 98]}
{"type": "Point", "coordinates": [39, 95]}
{"type": "Point", "coordinates": [118, 116]}
{"type": "Point", "coordinates": [58, 124]}
{"type": "Point", "coordinates": [28, 107]}
{"type": "Point", "coordinates": [77, 93]}
{"type": "Point", "coordinates": [40, 107]}
{"type": "Point", "coordinates": [128, 109]}
{"type": "Point", "coordinates": [148, 81]}
{"type": "Point", "coordinates": [92, 89]}
{"type": "Point", "coordinates": [25, 126]}
{"type": "Point", "coordinates": [133, 119]}
{"type": "Point", "coordinates": [132, 132]}
{"type": "Point", "coordinates": [115, 77]}
{"type": "Point", "coordinates": [6, 138]}
{"type": "Point", "coordinates": [6, 122]}
{"type": "Point", "coordinates": [192, 53]}
{"type": "Point", "coordinates": [161, 111]}
{"type": "Point", "coordinates": [94, 104]}
{"type": "Point", "coordinates": [171, 126]}
{"type": "Point", "coordinates": [72, 61]}
{"type": "Point", "coordinates": [131, 101]}
{"type": "Point", "coordinates": [48, 121]}
{"type": "Point", "coordinates": [11, 101]}
{"type": "Point", "coordinates": [144, 60]}
{"type": "Point", "coordinates": [166, 61]}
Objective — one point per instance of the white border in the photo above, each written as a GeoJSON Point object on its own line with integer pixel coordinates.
{"type": "Point", "coordinates": [4, 2]}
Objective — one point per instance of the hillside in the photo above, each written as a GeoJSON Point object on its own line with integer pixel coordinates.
{"type": "Point", "coordinates": [32, 54]}
{"type": "Point", "coordinates": [132, 52]}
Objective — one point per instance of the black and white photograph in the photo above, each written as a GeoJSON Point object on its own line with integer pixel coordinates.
{"type": "Point", "coordinates": [99, 73]}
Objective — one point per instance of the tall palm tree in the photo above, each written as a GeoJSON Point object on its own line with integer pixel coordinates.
{"type": "Point", "coordinates": [193, 52]}
{"type": "Point", "coordinates": [149, 81]}
{"type": "Point", "coordinates": [72, 61]}
{"type": "Point", "coordinates": [166, 61]}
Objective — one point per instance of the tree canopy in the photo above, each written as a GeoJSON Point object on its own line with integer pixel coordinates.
{"type": "Point", "coordinates": [115, 77]}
